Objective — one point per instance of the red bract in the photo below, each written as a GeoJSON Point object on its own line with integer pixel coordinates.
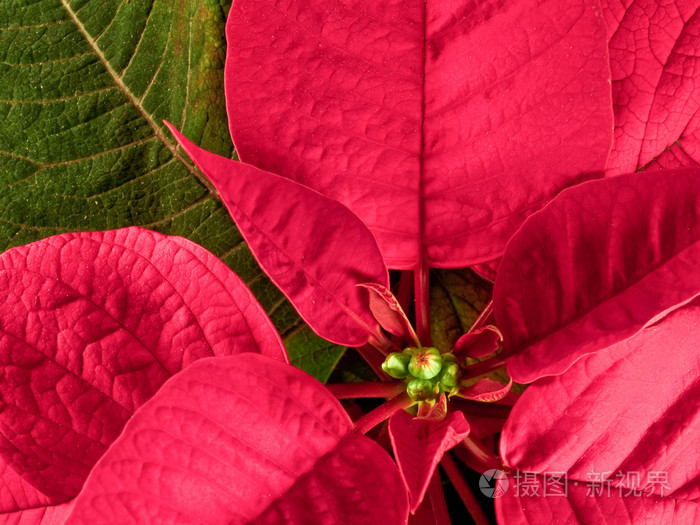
{"type": "Point", "coordinates": [654, 59]}
{"type": "Point", "coordinates": [285, 221]}
{"type": "Point", "coordinates": [419, 445]}
{"type": "Point", "coordinates": [92, 325]}
{"type": "Point", "coordinates": [617, 316]}
{"type": "Point", "coordinates": [240, 440]}
{"type": "Point", "coordinates": [595, 266]}
{"type": "Point", "coordinates": [312, 247]}
{"type": "Point", "coordinates": [441, 125]}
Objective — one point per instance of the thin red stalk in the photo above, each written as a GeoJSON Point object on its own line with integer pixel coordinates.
{"type": "Point", "coordinates": [485, 317]}
{"type": "Point", "coordinates": [479, 450]}
{"type": "Point", "coordinates": [482, 367]}
{"type": "Point", "coordinates": [380, 342]}
{"type": "Point", "coordinates": [382, 412]}
{"type": "Point", "coordinates": [465, 456]}
{"type": "Point", "coordinates": [368, 389]}
{"type": "Point", "coordinates": [436, 497]}
{"type": "Point", "coordinates": [421, 286]}
{"type": "Point", "coordinates": [463, 490]}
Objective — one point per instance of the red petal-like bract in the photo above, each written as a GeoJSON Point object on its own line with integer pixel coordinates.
{"type": "Point", "coordinates": [655, 65]}
{"type": "Point", "coordinates": [478, 343]}
{"type": "Point", "coordinates": [241, 440]}
{"type": "Point", "coordinates": [486, 391]}
{"type": "Point", "coordinates": [442, 124]}
{"type": "Point", "coordinates": [595, 266]}
{"type": "Point", "coordinates": [91, 325]}
{"type": "Point", "coordinates": [631, 408]}
{"type": "Point", "coordinates": [531, 501]}
{"type": "Point", "coordinates": [313, 248]}
{"type": "Point", "coordinates": [387, 310]}
{"type": "Point", "coordinates": [419, 445]}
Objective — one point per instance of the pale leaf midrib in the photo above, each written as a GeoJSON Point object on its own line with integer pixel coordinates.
{"type": "Point", "coordinates": [132, 98]}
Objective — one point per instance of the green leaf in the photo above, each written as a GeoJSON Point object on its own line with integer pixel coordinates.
{"type": "Point", "coordinates": [456, 299]}
{"type": "Point", "coordinates": [84, 88]}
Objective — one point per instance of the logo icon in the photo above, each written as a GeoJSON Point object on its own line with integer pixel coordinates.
{"type": "Point", "coordinates": [493, 483]}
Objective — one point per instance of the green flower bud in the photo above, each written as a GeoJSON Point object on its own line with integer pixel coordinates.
{"type": "Point", "coordinates": [396, 365]}
{"type": "Point", "coordinates": [448, 357]}
{"type": "Point", "coordinates": [425, 364]}
{"type": "Point", "coordinates": [449, 375]}
{"type": "Point", "coordinates": [422, 389]}
{"type": "Point", "coordinates": [410, 350]}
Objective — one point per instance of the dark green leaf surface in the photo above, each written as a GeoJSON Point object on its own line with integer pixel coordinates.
{"type": "Point", "coordinates": [84, 87]}
{"type": "Point", "coordinates": [456, 299]}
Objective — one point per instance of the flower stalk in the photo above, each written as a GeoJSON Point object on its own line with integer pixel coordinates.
{"type": "Point", "coordinates": [382, 412]}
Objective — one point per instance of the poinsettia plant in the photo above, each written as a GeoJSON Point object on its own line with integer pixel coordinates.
{"type": "Point", "coordinates": [143, 382]}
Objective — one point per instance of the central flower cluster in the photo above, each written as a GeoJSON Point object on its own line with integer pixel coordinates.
{"type": "Point", "coordinates": [427, 372]}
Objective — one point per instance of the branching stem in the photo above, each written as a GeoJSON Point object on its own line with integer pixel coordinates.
{"type": "Point", "coordinates": [422, 293]}
{"type": "Point", "coordinates": [368, 389]}
{"type": "Point", "coordinates": [382, 412]}
{"type": "Point", "coordinates": [463, 490]}
{"type": "Point", "coordinates": [483, 367]}
{"type": "Point", "coordinates": [485, 318]}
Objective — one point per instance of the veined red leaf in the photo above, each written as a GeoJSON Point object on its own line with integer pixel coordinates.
{"type": "Point", "coordinates": [420, 444]}
{"type": "Point", "coordinates": [243, 439]}
{"type": "Point", "coordinates": [527, 502]}
{"type": "Point", "coordinates": [441, 124]}
{"type": "Point", "coordinates": [45, 515]}
{"type": "Point", "coordinates": [91, 324]}
{"type": "Point", "coordinates": [655, 63]}
{"type": "Point", "coordinates": [313, 248]}
{"type": "Point", "coordinates": [596, 265]}
{"type": "Point", "coordinates": [633, 408]}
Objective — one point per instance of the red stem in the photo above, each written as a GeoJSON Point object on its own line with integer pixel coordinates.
{"type": "Point", "coordinates": [485, 317]}
{"type": "Point", "coordinates": [482, 367]}
{"type": "Point", "coordinates": [382, 412]}
{"type": "Point", "coordinates": [379, 341]}
{"type": "Point", "coordinates": [436, 496]}
{"type": "Point", "coordinates": [369, 389]}
{"type": "Point", "coordinates": [462, 489]}
{"type": "Point", "coordinates": [421, 285]}
{"type": "Point", "coordinates": [479, 450]}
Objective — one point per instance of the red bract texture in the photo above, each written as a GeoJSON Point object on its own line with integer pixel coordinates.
{"type": "Point", "coordinates": [312, 247]}
{"type": "Point", "coordinates": [655, 61]}
{"type": "Point", "coordinates": [622, 425]}
{"type": "Point", "coordinates": [615, 322]}
{"type": "Point", "coordinates": [420, 444]}
{"type": "Point", "coordinates": [595, 266]}
{"type": "Point", "coordinates": [633, 407]}
{"type": "Point", "coordinates": [242, 440]}
{"type": "Point", "coordinates": [92, 325]}
{"type": "Point", "coordinates": [441, 125]}
{"type": "Point", "coordinates": [591, 505]}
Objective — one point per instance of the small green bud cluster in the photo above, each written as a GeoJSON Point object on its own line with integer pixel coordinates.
{"type": "Point", "coordinates": [426, 371]}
